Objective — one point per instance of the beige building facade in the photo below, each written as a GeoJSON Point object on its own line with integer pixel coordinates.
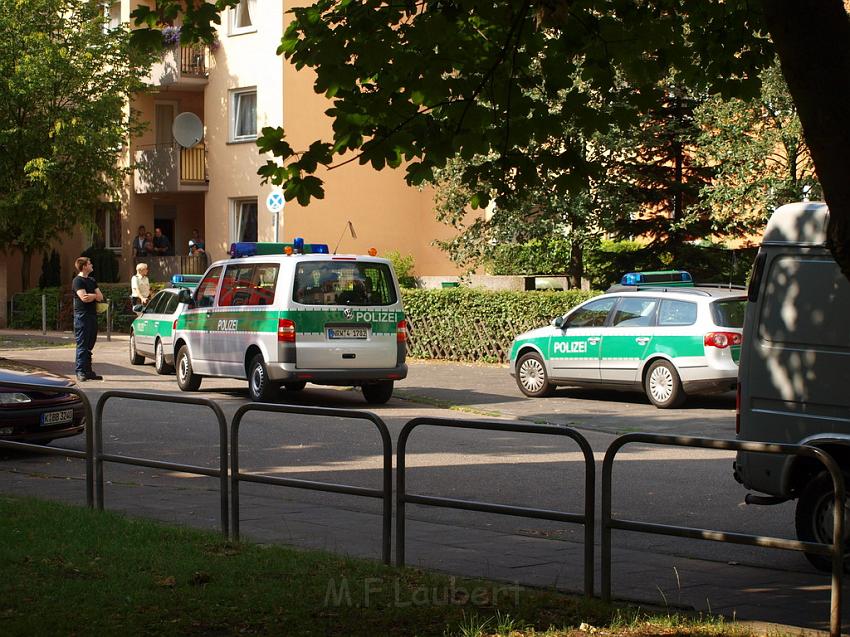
{"type": "Point", "coordinates": [226, 94]}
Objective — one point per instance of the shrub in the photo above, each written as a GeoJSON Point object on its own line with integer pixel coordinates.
{"type": "Point", "coordinates": [468, 324]}
{"type": "Point", "coordinates": [403, 266]}
{"type": "Point", "coordinates": [535, 256]}
{"type": "Point", "coordinates": [27, 308]}
{"type": "Point", "coordinates": [51, 271]}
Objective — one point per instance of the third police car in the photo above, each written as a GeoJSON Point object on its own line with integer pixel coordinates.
{"type": "Point", "coordinates": [668, 342]}
{"type": "Point", "coordinates": [283, 315]}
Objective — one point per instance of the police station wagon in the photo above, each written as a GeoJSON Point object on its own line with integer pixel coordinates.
{"type": "Point", "coordinates": [668, 342]}
{"type": "Point", "coordinates": [283, 315]}
{"type": "Point", "coordinates": [152, 332]}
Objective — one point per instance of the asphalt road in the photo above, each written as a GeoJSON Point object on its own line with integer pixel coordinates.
{"type": "Point", "coordinates": [668, 485]}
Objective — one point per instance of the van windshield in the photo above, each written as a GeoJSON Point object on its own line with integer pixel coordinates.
{"type": "Point", "coordinates": [343, 283]}
{"type": "Point", "coordinates": [729, 312]}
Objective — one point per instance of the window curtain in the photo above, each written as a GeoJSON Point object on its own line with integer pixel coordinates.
{"type": "Point", "coordinates": [246, 221]}
{"type": "Point", "coordinates": [246, 115]}
{"type": "Point", "coordinates": [245, 12]}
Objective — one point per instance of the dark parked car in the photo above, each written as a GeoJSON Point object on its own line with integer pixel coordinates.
{"type": "Point", "coordinates": [33, 416]}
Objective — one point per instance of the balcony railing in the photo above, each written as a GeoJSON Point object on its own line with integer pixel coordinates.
{"type": "Point", "coordinates": [186, 67]}
{"type": "Point", "coordinates": [163, 168]}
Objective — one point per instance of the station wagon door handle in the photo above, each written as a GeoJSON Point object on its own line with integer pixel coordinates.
{"type": "Point", "coordinates": [593, 340]}
{"type": "Point", "coordinates": [642, 340]}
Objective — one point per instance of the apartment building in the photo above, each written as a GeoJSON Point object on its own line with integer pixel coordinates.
{"type": "Point", "coordinates": [226, 93]}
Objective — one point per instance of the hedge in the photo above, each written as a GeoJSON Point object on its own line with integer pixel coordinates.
{"type": "Point", "coordinates": [460, 324]}
{"type": "Point", "coordinates": [474, 325]}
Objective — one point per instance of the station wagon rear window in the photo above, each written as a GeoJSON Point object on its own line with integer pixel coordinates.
{"type": "Point", "coordinates": [729, 313]}
{"type": "Point", "coordinates": [343, 283]}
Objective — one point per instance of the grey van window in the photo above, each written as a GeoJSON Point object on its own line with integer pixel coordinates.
{"type": "Point", "coordinates": [729, 312]}
{"type": "Point", "coordinates": [343, 283]}
{"type": "Point", "coordinates": [805, 302]}
{"type": "Point", "coordinates": [205, 294]}
{"type": "Point", "coordinates": [677, 313]}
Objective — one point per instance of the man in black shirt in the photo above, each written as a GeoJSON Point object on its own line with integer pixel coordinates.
{"type": "Point", "coordinates": [86, 297]}
{"type": "Point", "coordinates": [161, 244]}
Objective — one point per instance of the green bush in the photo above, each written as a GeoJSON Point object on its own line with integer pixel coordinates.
{"type": "Point", "coordinates": [403, 266]}
{"type": "Point", "coordinates": [26, 308]}
{"type": "Point", "coordinates": [532, 257]}
{"type": "Point", "coordinates": [469, 324]}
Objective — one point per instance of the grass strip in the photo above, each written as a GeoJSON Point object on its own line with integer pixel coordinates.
{"type": "Point", "coordinates": [72, 571]}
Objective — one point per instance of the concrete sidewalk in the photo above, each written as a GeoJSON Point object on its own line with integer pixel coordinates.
{"type": "Point", "coordinates": [798, 598]}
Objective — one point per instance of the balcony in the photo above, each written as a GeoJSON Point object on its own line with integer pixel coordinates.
{"type": "Point", "coordinates": [169, 168]}
{"type": "Point", "coordinates": [182, 67]}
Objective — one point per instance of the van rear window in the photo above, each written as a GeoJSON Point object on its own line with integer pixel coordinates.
{"type": "Point", "coordinates": [353, 283]}
{"type": "Point", "coordinates": [729, 312]}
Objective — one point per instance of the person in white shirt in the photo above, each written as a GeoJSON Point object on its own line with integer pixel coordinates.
{"type": "Point", "coordinates": [140, 286]}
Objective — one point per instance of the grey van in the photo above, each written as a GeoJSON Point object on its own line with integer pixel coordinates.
{"type": "Point", "coordinates": [794, 377]}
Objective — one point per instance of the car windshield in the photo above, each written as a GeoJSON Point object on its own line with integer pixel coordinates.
{"type": "Point", "coordinates": [729, 312]}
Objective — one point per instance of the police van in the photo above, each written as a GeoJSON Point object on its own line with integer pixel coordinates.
{"type": "Point", "coordinates": [283, 315]}
{"type": "Point", "coordinates": [795, 370]}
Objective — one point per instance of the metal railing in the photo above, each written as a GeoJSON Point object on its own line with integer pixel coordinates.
{"type": "Point", "coordinates": [87, 455]}
{"type": "Point", "coordinates": [384, 493]}
{"type": "Point", "coordinates": [100, 457]}
{"type": "Point", "coordinates": [194, 60]}
{"type": "Point", "coordinates": [835, 550]}
{"type": "Point", "coordinates": [586, 519]}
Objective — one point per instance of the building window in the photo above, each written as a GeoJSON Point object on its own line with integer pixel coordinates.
{"type": "Point", "coordinates": [112, 15]}
{"type": "Point", "coordinates": [107, 231]}
{"type": "Point", "coordinates": [243, 115]}
{"type": "Point", "coordinates": [242, 17]}
{"type": "Point", "coordinates": [244, 220]}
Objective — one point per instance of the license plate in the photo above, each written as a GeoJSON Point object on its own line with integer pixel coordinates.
{"type": "Point", "coordinates": [347, 332]}
{"type": "Point", "coordinates": [57, 417]}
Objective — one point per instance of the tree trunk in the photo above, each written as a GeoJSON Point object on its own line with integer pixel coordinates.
{"type": "Point", "coordinates": [812, 38]}
{"type": "Point", "coordinates": [26, 267]}
{"type": "Point", "coordinates": [576, 264]}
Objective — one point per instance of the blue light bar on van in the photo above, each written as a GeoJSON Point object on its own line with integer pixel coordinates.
{"type": "Point", "coordinates": [670, 278]}
{"type": "Point", "coordinates": [252, 248]}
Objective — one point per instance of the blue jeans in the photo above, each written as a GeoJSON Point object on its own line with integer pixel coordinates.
{"type": "Point", "coordinates": [85, 333]}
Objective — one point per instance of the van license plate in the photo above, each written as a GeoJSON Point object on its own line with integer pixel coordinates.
{"type": "Point", "coordinates": [346, 332]}
{"type": "Point", "coordinates": [57, 417]}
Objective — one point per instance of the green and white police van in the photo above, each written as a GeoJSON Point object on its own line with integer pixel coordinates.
{"type": "Point", "coordinates": [668, 342]}
{"type": "Point", "coordinates": [283, 315]}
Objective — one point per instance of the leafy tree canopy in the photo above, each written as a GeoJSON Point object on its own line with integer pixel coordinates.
{"type": "Point", "coordinates": [414, 83]}
{"type": "Point", "coordinates": [65, 82]}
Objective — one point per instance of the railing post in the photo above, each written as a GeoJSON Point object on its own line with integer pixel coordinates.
{"type": "Point", "coordinates": [44, 314]}
{"type": "Point", "coordinates": [109, 320]}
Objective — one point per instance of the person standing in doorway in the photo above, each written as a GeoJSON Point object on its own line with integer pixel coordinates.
{"type": "Point", "coordinates": [86, 297]}
{"type": "Point", "coordinates": [139, 249]}
{"type": "Point", "coordinates": [161, 244]}
{"type": "Point", "coordinates": [199, 242]}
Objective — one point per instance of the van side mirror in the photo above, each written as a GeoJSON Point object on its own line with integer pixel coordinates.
{"type": "Point", "coordinates": [138, 309]}
{"type": "Point", "coordinates": [559, 322]}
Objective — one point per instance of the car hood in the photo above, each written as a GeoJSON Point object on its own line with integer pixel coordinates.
{"type": "Point", "coordinates": [16, 371]}
{"type": "Point", "coordinates": [536, 333]}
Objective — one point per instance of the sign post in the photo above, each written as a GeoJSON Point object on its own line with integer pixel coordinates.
{"type": "Point", "coordinates": [275, 203]}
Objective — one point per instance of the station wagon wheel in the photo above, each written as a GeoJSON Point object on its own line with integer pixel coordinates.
{"type": "Point", "coordinates": [159, 359]}
{"type": "Point", "coordinates": [663, 386]}
{"type": "Point", "coordinates": [378, 393]}
{"type": "Point", "coordinates": [187, 379]}
{"type": "Point", "coordinates": [135, 357]}
{"type": "Point", "coordinates": [260, 386]}
{"type": "Point", "coordinates": [531, 376]}
{"type": "Point", "coordinates": [814, 516]}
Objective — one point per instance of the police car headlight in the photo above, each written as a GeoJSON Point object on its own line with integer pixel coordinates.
{"type": "Point", "coordinates": [12, 398]}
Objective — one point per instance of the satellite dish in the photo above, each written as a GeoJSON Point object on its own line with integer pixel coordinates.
{"type": "Point", "coordinates": [188, 129]}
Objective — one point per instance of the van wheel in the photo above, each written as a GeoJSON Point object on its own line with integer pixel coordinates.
{"type": "Point", "coordinates": [260, 386]}
{"type": "Point", "coordinates": [159, 359]}
{"type": "Point", "coordinates": [378, 393]}
{"type": "Point", "coordinates": [135, 357]}
{"type": "Point", "coordinates": [814, 516]}
{"type": "Point", "coordinates": [663, 386]}
{"type": "Point", "coordinates": [187, 380]}
{"type": "Point", "coordinates": [295, 386]}
{"type": "Point", "coordinates": [531, 377]}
